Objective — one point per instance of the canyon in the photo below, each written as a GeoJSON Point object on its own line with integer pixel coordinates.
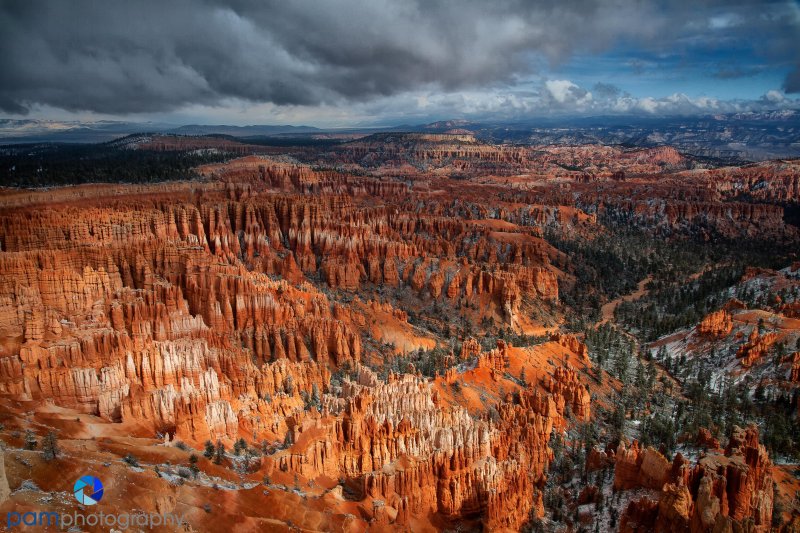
{"type": "Point", "coordinates": [394, 327]}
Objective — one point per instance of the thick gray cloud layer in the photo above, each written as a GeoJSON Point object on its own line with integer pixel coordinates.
{"type": "Point", "coordinates": [792, 83]}
{"type": "Point", "coordinates": [119, 57]}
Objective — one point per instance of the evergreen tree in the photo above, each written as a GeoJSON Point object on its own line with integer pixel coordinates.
{"type": "Point", "coordinates": [219, 453]}
{"type": "Point", "coordinates": [30, 440]}
{"type": "Point", "coordinates": [640, 380]}
{"type": "Point", "coordinates": [662, 353]}
{"type": "Point", "coordinates": [622, 364]}
{"type": "Point", "coordinates": [618, 421]}
{"type": "Point", "coordinates": [651, 375]}
{"type": "Point", "coordinates": [239, 446]}
{"type": "Point", "coordinates": [193, 465]}
{"type": "Point", "coordinates": [208, 453]}
{"type": "Point", "coordinates": [50, 447]}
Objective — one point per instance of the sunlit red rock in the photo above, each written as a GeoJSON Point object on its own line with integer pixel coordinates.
{"type": "Point", "coordinates": [248, 305]}
{"type": "Point", "coordinates": [716, 324]}
{"type": "Point", "coordinates": [636, 467]}
{"type": "Point", "coordinates": [721, 492]}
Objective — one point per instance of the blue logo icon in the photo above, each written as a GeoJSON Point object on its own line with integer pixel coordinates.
{"type": "Point", "coordinates": [88, 490]}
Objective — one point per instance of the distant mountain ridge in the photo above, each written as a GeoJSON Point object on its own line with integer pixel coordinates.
{"type": "Point", "coordinates": [240, 131]}
{"type": "Point", "coordinates": [738, 136]}
{"type": "Point", "coordinates": [15, 131]}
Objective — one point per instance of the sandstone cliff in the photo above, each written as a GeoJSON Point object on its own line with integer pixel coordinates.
{"type": "Point", "coordinates": [722, 492]}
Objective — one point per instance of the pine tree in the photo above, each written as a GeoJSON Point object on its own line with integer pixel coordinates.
{"type": "Point", "coordinates": [651, 375]}
{"type": "Point", "coordinates": [250, 455]}
{"type": "Point", "coordinates": [618, 421]}
{"type": "Point", "coordinates": [622, 363]}
{"type": "Point", "coordinates": [219, 453]}
{"type": "Point", "coordinates": [239, 446]}
{"type": "Point", "coordinates": [30, 440]}
{"type": "Point", "coordinates": [209, 450]}
{"type": "Point", "coordinates": [193, 465]}
{"type": "Point", "coordinates": [640, 379]}
{"type": "Point", "coordinates": [50, 447]}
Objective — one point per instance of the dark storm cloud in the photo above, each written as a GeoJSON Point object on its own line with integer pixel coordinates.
{"type": "Point", "coordinates": [792, 83]}
{"type": "Point", "coordinates": [606, 90]}
{"type": "Point", "coordinates": [129, 57]}
{"type": "Point", "coordinates": [736, 72]}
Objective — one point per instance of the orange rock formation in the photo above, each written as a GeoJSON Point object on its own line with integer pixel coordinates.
{"type": "Point", "coordinates": [716, 324]}
{"type": "Point", "coordinates": [720, 493]}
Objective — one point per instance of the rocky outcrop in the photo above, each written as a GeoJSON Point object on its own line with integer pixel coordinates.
{"type": "Point", "coordinates": [794, 373]}
{"type": "Point", "coordinates": [771, 181]}
{"type": "Point", "coordinates": [756, 347]}
{"type": "Point", "coordinates": [706, 440]}
{"type": "Point", "coordinates": [573, 344]}
{"type": "Point", "coordinates": [716, 324]}
{"type": "Point", "coordinates": [225, 309]}
{"type": "Point", "coordinates": [722, 492]}
{"type": "Point", "coordinates": [599, 459]}
{"type": "Point", "coordinates": [568, 392]}
{"type": "Point", "coordinates": [244, 305]}
{"type": "Point", "coordinates": [636, 467]}
{"type": "Point", "coordinates": [470, 349]}
{"type": "Point", "coordinates": [5, 491]}
{"type": "Point", "coordinates": [640, 515]}
{"type": "Point", "coordinates": [496, 360]}
{"type": "Point", "coordinates": [156, 313]}
{"type": "Point", "coordinates": [419, 456]}
{"type": "Point", "coordinates": [699, 218]}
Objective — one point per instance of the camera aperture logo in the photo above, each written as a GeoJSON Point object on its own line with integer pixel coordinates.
{"type": "Point", "coordinates": [88, 490]}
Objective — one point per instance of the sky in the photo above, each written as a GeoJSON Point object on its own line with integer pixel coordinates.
{"type": "Point", "coordinates": [381, 62]}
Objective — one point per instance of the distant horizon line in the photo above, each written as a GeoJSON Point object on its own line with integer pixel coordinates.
{"type": "Point", "coordinates": [619, 117]}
